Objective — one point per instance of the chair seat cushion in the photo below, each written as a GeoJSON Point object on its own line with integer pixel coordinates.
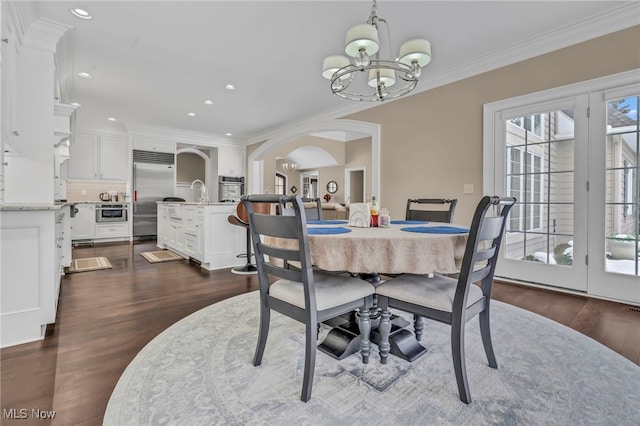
{"type": "Point", "coordinates": [436, 292]}
{"type": "Point", "coordinates": [331, 290]}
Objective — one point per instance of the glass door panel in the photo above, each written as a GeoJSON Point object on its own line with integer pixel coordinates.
{"type": "Point", "coordinates": [540, 156]}
{"type": "Point", "coordinates": [615, 269]}
{"type": "Point", "coordinates": [621, 219]}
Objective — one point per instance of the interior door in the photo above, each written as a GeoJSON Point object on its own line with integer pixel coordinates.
{"type": "Point", "coordinates": [540, 161]}
{"type": "Point", "coordinates": [614, 194]}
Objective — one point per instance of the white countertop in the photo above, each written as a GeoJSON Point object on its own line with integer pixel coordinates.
{"type": "Point", "coordinates": [33, 206]}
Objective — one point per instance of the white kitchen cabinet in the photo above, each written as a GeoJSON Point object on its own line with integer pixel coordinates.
{"type": "Point", "coordinates": [154, 144]}
{"type": "Point", "coordinates": [113, 158]}
{"type": "Point", "coordinates": [35, 248]}
{"type": "Point", "coordinates": [202, 232]}
{"type": "Point", "coordinates": [230, 162]}
{"type": "Point", "coordinates": [9, 63]}
{"type": "Point", "coordinates": [100, 157]}
{"type": "Point", "coordinates": [112, 230]}
{"type": "Point", "coordinates": [163, 225]}
{"type": "Point", "coordinates": [84, 222]}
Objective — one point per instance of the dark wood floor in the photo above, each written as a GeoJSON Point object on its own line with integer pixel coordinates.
{"type": "Point", "coordinates": [106, 317]}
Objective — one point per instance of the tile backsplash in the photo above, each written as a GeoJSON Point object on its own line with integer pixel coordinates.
{"type": "Point", "coordinates": [78, 190]}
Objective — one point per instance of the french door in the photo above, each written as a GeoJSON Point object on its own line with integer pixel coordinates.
{"type": "Point", "coordinates": [570, 157]}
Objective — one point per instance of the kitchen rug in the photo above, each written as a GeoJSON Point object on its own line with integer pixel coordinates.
{"type": "Point", "coordinates": [89, 264]}
{"type": "Point", "coordinates": [160, 256]}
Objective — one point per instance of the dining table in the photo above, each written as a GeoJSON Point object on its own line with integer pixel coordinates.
{"type": "Point", "coordinates": [406, 246]}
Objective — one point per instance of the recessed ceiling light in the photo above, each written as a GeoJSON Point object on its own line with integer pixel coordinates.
{"type": "Point", "coordinates": [111, 119]}
{"type": "Point", "coordinates": [230, 87]}
{"type": "Point", "coordinates": [229, 134]}
{"type": "Point", "coordinates": [85, 75]}
{"type": "Point", "coordinates": [191, 114]}
{"type": "Point", "coordinates": [75, 104]}
{"type": "Point", "coordinates": [208, 102]}
{"type": "Point", "coordinates": [80, 13]}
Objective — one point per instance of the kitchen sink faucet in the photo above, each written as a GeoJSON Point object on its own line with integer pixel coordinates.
{"type": "Point", "coordinates": [203, 190]}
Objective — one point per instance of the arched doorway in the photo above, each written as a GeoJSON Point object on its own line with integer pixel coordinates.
{"type": "Point", "coordinates": [255, 161]}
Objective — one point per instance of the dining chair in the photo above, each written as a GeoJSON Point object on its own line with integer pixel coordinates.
{"type": "Point", "coordinates": [307, 295]}
{"type": "Point", "coordinates": [432, 215]}
{"type": "Point", "coordinates": [241, 219]}
{"type": "Point", "coordinates": [454, 301]}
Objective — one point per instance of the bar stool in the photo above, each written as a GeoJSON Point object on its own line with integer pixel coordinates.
{"type": "Point", "coordinates": [242, 219]}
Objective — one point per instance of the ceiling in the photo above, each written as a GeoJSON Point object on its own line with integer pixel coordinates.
{"type": "Point", "coordinates": [154, 62]}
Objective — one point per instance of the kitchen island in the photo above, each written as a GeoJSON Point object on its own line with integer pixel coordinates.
{"type": "Point", "coordinates": [202, 233]}
{"type": "Point", "coordinates": [35, 249]}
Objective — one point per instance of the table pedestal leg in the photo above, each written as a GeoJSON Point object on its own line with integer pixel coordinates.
{"type": "Point", "coordinates": [344, 338]}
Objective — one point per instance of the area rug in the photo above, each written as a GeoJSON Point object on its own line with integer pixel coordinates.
{"type": "Point", "coordinates": [199, 372]}
{"type": "Point", "coordinates": [88, 264]}
{"type": "Point", "coordinates": [161, 256]}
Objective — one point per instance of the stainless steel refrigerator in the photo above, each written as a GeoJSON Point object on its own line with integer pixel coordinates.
{"type": "Point", "coordinates": [151, 183]}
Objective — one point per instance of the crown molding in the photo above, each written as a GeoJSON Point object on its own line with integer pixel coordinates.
{"type": "Point", "coordinates": [618, 19]}
{"type": "Point", "coordinates": [179, 135]}
{"type": "Point", "coordinates": [44, 35]}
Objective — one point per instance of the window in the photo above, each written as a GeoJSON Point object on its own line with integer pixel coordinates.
{"type": "Point", "coordinates": [628, 189]}
{"type": "Point", "coordinates": [525, 183]}
{"type": "Point", "coordinates": [281, 184]}
{"type": "Point", "coordinates": [532, 123]}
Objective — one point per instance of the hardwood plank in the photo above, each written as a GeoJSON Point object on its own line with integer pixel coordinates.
{"type": "Point", "coordinates": [106, 317]}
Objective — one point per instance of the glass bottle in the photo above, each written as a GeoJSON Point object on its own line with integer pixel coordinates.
{"type": "Point", "coordinates": [384, 221]}
{"type": "Point", "coordinates": [374, 212]}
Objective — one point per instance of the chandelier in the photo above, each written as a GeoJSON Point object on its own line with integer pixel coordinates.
{"type": "Point", "coordinates": [385, 78]}
{"type": "Point", "coordinates": [289, 166]}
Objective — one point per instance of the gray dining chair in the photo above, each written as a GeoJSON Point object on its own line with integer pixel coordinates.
{"type": "Point", "coordinates": [305, 294]}
{"type": "Point", "coordinates": [454, 301]}
{"type": "Point", "coordinates": [436, 213]}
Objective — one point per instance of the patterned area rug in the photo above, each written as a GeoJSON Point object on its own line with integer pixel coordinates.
{"type": "Point", "coordinates": [89, 264]}
{"type": "Point", "coordinates": [199, 372]}
{"type": "Point", "coordinates": [161, 256]}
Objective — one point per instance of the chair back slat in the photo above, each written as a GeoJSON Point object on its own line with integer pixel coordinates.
{"type": "Point", "coordinates": [483, 245]}
{"type": "Point", "coordinates": [490, 228]}
{"type": "Point", "coordinates": [439, 215]}
{"type": "Point", "coordinates": [276, 226]}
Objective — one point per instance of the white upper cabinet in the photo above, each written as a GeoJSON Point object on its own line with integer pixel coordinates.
{"type": "Point", "coordinates": [9, 69]}
{"type": "Point", "coordinates": [112, 158]}
{"type": "Point", "coordinates": [230, 162]}
{"type": "Point", "coordinates": [98, 157]}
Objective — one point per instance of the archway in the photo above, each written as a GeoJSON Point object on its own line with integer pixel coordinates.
{"type": "Point", "coordinates": [255, 161]}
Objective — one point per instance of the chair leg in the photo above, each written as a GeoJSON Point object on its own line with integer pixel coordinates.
{"type": "Point", "coordinates": [459, 364]}
{"type": "Point", "coordinates": [384, 328]}
{"type": "Point", "coordinates": [309, 361]}
{"type": "Point", "coordinates": [365, 331]}
{"type": "Point", "coordinates": [265, 315]}
{"type": "Point", "coordinates": [485, 332]}
{"type": "Point", "coordinates": [418, 326]}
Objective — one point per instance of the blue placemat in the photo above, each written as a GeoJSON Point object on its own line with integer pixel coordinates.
{"type": "Point", "coordinates": [436, 229]}
{"type": "Point", "coordinates": [408, 222]}
{"type": "Point", "coordinates": [328, 230]}
{"type": "Point", "coordinates": [326, 222]}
